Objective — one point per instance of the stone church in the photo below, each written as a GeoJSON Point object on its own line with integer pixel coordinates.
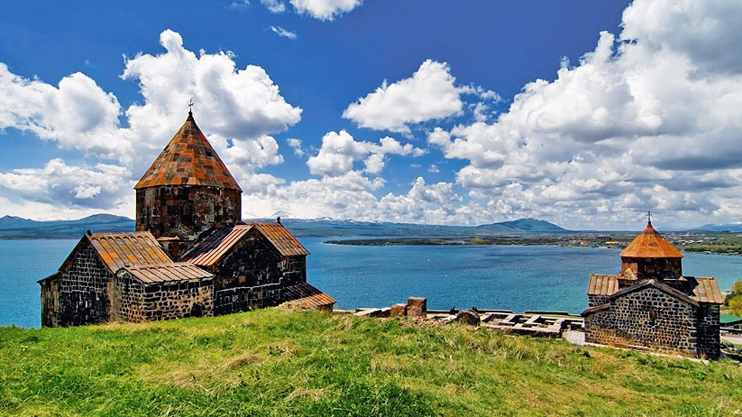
{"type": "Point", "coordinates": [651, 305]}
{"type": "Point", "coordinates": [191, 255]}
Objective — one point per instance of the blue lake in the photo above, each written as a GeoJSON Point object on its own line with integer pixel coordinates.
{"type": "Point", "coordinates": [515, 278]}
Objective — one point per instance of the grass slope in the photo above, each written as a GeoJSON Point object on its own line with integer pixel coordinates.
{"type": "Point", "coordinates": [277, 363]}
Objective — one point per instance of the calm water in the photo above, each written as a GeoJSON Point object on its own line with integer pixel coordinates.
{"type": "Point", "coordinates": [515, 278]}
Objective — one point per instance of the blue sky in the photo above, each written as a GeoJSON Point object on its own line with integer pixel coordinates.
{"type": "Point", "coordinates": [583, 113]}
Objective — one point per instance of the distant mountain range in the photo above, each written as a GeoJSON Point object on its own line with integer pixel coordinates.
{"type": "Point", "coordinates": [733, 227]}
{"type": "Point", "coordinates": [20, 228]}
{"type": "Point", "coordinates": [522, 225]}
{"type": "Point", "coordinates": [344, 228]}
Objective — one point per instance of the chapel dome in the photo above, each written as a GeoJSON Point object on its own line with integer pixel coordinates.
{"type": "Point", "coordinates": [188, 160]}
{"type": "Point", "coordinates": [649, 244]}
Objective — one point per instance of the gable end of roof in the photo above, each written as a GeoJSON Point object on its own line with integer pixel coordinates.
{"type": "Point", "coordinates": [658, 285]}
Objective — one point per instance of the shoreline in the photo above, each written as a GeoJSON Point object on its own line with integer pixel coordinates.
{"type": "Point", "coordinates": [703, 243]}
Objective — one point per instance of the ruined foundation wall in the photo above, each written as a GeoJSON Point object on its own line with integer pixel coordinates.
{"type": "Point", "coordinates": [648, 318]}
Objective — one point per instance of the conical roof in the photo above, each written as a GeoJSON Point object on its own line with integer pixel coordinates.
{"type": "Point", "coordinates": [188, 159]}
{"type": "Point", "coordinates": [649, 244]}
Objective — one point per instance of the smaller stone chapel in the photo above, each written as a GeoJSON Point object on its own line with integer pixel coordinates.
{"type": "Point", "coordinates": [191, 254]}
{"type": "Point", "coordinates": [651, 305]}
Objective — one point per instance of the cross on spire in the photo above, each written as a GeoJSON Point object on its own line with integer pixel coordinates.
{"type": "Point", "coordinates": [649, 218]}
{"type": "Point", "coordinates": [190, 107]}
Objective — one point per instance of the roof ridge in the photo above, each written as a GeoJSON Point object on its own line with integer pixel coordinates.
{"type": "Point", "coordinates": [134, 233]}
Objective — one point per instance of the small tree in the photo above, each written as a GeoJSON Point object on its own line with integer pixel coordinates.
{"type": "Point", "coordinates": [733, 300]}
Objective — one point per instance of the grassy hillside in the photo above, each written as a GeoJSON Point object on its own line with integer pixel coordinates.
{"type": "Point", "coordinates": [278, 363]}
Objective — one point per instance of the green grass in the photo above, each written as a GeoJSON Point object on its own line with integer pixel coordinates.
{"type": "Point", "coordinates": [277, 363]}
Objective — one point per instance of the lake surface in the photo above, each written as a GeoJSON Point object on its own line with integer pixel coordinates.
{"type": "Point", "coordinates": [514, 278]}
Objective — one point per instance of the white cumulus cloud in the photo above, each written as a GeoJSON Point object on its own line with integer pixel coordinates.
{"type": "Point", "coordinates": [98, 187]}
{"type": "Point", "coordinates": [238, 110]}
{"type": "Point", "coordinates": [295, 144]}
{"type": "Point", "coordinates": [77, 114]}
{"type": "Point", "coordinates": [429, 94]}
{"type": "Point", "coordinates": [650, 119]}
{"type": "Point", "coordinates": [231, 102]}
{"type": "Point", "coordinates": [339, 151]}
{"type": "Point", "coordinates": [275, 6]}
{"type": "Point", "coordinates": [325, 9]}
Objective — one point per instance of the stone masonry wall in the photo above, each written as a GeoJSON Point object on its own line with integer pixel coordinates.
{"type": "Point", "coordinates": [178, 299]}
{"type": "Point", "coordinates": [596, 300]}
{"type": "Point", "coordinates": [127, 298]}
{"type": "Point", "coordinates": [236, 299]}
{"type": "Point", "coordinates": [658, 268]}
{"type": "Point", "coordinates": [709, 344]}
{"type": "Point", "coordinates": [648, 318]}
{"type": "Point", "coordinates": [82, 286]}
{"type": "Point", "coordinates": [162, 209]}
{"type": "Point", "coordinates": [135, 301]}
{"type": "Point", "coordinates": [254, 276]}
{"type": "Point", "coordinates": [50, 302]}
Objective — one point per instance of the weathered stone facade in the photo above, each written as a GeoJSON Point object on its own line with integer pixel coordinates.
{"type": "Point", "coordinates": [77, 293]}
{"type": "Point", "coordinates": [709, 343]}
{"type": "Point", "coordinates": [86, 290]}
{"type": "Point", "coordinates": [187, 189]}
{"type": "Point", "coordinates": [595, 300]}
{"type": "Point", "coordinates": [252, 272]}
{"type": "Point", "coordinates": [50, 303]}
{"type": "Point", "coordinates": [135, 301]}
{"type": "Point", "coordinates": [650, 305]}
{"type": "Point", "coordinates": [646, 317]}
{"type": "Point", "coordinates": [189, 211]}
{"type": "Point", "coordinates": [188, 208]}
{"type": "Point", "coordinates": [660, 268]}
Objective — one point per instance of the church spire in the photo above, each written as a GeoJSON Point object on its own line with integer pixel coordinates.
{"type": "Point", "coordinates": [187, 189]}
{"type": "Point", "coordinates": [188, 159]}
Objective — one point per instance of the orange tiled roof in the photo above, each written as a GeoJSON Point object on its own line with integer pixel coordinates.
{"type": "Point", "coordinates": [307, 295]}
{"type": "Point", "coordinates": [188, 159]}
{"type": "Point", "coordinates": [282, 239]}
{"type": "Point", "coordinates": [179, 271]}
{"type": "Point", "coordinates": [118, 250]}
{"type": "Point", "coordinates": [210, 250]}
{"type": "Point", "coordinates": [649, 244]}
{"type": "Point", "coordinates": [602, 284]}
